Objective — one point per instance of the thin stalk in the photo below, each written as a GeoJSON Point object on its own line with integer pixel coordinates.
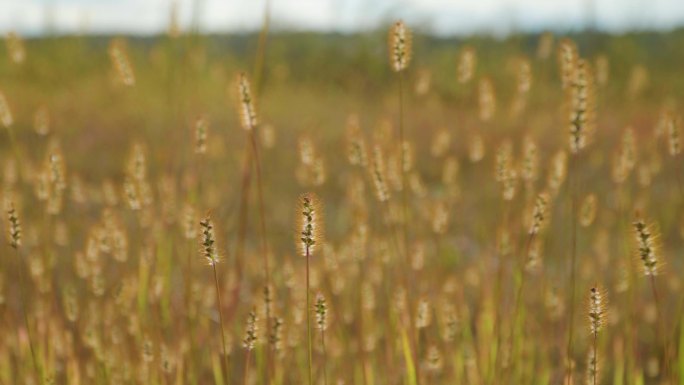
{"type": "Point", "coordinates": [261, 48]}
{"type": "Point", "coordinates": [190, 320]}
{"type": "Point", "coordinates": [594, 371]}
{"type": "Point", "coordinates": [325, 359]}
{"type": "Point", "coordinates": [258, 73]}
{"type": "Point", "coordinates": [406, 281]}
{"type": "Point", "coordinates": [631, 319]}
{"type": "Point", "coordinates": [573, 265]}
{"type": "Point", "coordinates": [519, 294]}
{"type": "Point", "coordinates": [498, 287]}
{"type": "Point", "coordinates": [361, 330]}
{"type": "Point", "coordinates": [243, 211]}
{"type": "Point", "coordinates": [308, 316]}
{"type": "Point", "coordinates": [220, 311]}
{"type": "Point", "coordinates": [660, 324]}
{"type": "Point", "coordinates": [678, 172]}
{"type": "Point", "coordinates": [402, 156]}
{"type": "Point", "coordinates": [247, 359]}
{"type": "Point", "coordinates": [22, 293]}
{"type": "Point", "coordinates": [262, 219]}
{"type": "Point", "coordinates": [405, 209]}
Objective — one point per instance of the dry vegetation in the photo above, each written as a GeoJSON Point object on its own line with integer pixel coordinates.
{"type": "Point", "coordinates": [496, 212]}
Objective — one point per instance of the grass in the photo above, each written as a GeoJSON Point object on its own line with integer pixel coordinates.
{"type": "Point", "coordinates": [100, 159]}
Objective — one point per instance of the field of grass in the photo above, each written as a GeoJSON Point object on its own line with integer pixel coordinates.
{"type": "Point", "coordinates": [299, 208]}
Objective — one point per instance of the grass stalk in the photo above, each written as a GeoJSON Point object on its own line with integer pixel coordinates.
{"type": "Point", "coordinates": [573, 266]}
{"type": "Point", "coordinates": [220, 311]}
{"type": "Point", "coordinates": [308, 319]}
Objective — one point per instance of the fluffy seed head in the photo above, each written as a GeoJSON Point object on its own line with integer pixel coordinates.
{"type": "Point", "coordinates": [201, 133]}
{"type": "Point", "coordinates": [5, 112]}
{"type": "Point", "coordinates": [247, 108]}
{"type": "Point", "coordinates": [530, 162]}
{"type": "Point", "coordinates": [567, 60]}
{"type": "Point", "coordinates": [121, 63]}
{"type": "Point", "coordinates": [534, 256]}
{"type": "Point", "coordinates": [309, 225]}
{"type": "Point", "coordinates": [250, 331]}
{"type": "Point", "coordinates": [486, 99]}
{"type": "Point", "coordinates": [13, 225]}
{"type": "Point", "coordinates": [597, 310]}
{"type": "Point", "coordinates": [673, 135]}
{"type": "Point", "coordinates": [559, 166]}
{"type": "Point", "coordinates": [423, 315]}
{"type": "Point", "coordinates": [539, 213]}
{"type": "Point", "coordinates": [587, 212]}
{"type": "Point", "coordinates": [647, 247]}
{"type": "Point", "coordinates": [208, 241]}
{"type": "Point", "coordinates": [399, 46]}
{"type": "Point", "coordinates": [434, 361]}
{"type": "Point", "coordinates": [581, 106]}
{"type": "Point", "coordinates": [321, 310]}
{"type": "Point", "coordinates": [379, 175]}
{"type": "Point", "coordinates": [505, 172]}
{"type": "Point", "coordinates": [15, 48]}
{"type": "Point", "coordinates": [467, 60]}
{"type": "Point", "coordinates": [275, 339]}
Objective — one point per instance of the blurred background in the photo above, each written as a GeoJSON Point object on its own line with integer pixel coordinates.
{"type": "Point", "coordinates": [442, 17]}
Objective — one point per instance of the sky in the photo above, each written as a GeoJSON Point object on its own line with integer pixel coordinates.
{"type": "Point", "coordinates": [442, 17]}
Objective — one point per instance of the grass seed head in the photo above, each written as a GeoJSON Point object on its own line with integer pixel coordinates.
{"type": "Point", "coordinates": [5, 112]}
{"type": "Point", "coordinates": [539, 213]}
{"type": "Point", "coordinates": [201, 133]}
{"type": "Point", "coordinates": [121, 63]}
{"type": "Point", "coordinates": [247, 104]}
{"type": "Point", "coordinates": [250, 331]}
{"type": "Point", "coordinates": [309, 225]}
{"type": "Point", "coordinates": [13, 224]}
{"type": "Point", "coordinates": [646, 236]}
{"type": "Point", "coordinates": [596, 310]}
{"type": "Point", "coordinates": [567, 60]}
{"type": "Point", "coordinates": [588, 210]}
{"type": "Point", "coordinates": [399, 40]}
{"type": "Point", "coordinates": [467, 61]}
{"type": "Point", "coordinates": [581, 107]}
{"type": "Point", "coordinates": [208, 241]}
{"type": "Point", "coordinates": [15, 48]}
{"type": "Point", "coordinates": [321, 311]}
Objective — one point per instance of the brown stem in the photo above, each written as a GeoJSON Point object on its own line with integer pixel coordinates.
{"type": "Point", "coordinates": [519, 294]}
{"type": "Point", "coordinates": [660, 324]}
{"type": "Point", "coordinates": [264, 243]}
{"type": "Point", "coordinates": [247, 359]}
{"type": "Point", "coordinates": [308, 316]}
{"type": "Point", "coordinates": [22, 293]}
{"type": "Point", "coordinates": [573, 265]}
{"type": "Point", "coordinates": [325, 359]}
{"type": "Point", "coordinates": [220, 311]}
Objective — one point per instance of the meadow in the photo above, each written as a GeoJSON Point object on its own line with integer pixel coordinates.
{"type": "Point", "coordinates": [387, 207]}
